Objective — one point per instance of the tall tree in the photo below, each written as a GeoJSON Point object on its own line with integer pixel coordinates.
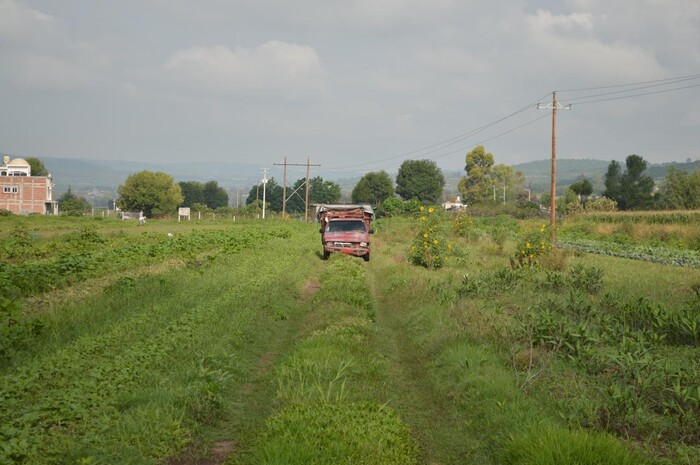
{"type": "Point", "coordinates": [320, 191]}
{"type": "Point", "coordinates": [613, 181]}
{"type": "Point", "coordinates": [154, 193]}
{"type": "Point", "coordinates": [191, 193]}
{"type": "Point", "coordinates": [477, 185]}
{"type": "Point", "coordinates": [213, 195]}
{"type": "Point", "coordinates": [374, 187]}
{"type": "Point", "coordinates": [582, 188]}
{"type": "Point", "coordinates": [71, 204]}
{"type": "Point", "coordinates": [37, 166]}
{"type": "Point", "coordinates": [631, 190]}
{"type": "Point", "coordinates": [680, 190]}
{"type": "Point", "coordinates": [421, 180]}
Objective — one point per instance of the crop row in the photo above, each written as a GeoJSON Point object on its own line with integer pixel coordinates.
{"type": "Point", "coordinates": [670, 217]}
{"type": "Point", "coordinates": [667, 256]}
{"type": "Point", "coordinates": [95, 255]}
{"type": "Point", "coordinates": [131, 391]}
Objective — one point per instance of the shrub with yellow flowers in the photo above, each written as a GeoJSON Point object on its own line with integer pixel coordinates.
{"type": "Point", "coordinates": [430, 247]}
{"type": "Point", "coordinates": [532, 246]}
{"type": "Point", "coordinates": [463, 226]}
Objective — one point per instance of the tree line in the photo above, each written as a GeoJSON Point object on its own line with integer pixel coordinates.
{"type": "Point", "coordinates": [628, 186]}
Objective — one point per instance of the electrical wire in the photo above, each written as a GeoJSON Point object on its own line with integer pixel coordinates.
{"type": "Point", "coordinates": [689, 76]}
{"type": "Point", "coordinates": [632, 89]}
{"type": "Point", "coordinates": [447, 142]}
{"type": "Point", "coordinates": [638, 95]}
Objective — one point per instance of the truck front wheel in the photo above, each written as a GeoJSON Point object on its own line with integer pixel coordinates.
{"type": "Point", "coordinates": [326, 254]}
{"type": "Point", "coordinates": [365, 257]}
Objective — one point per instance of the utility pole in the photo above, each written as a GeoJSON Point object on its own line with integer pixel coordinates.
{"type": "Point", "coordinates": [264, 182]}
{"type": "Point", "coordinates": [284, 186]}
{"type": "Point", "coordinates": [554, 106]}
{"type": "Point", "coordinates": [284, 190]}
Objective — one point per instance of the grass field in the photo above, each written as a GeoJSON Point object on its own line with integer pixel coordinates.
{"type": "Point", "coordinates": [234, 342]}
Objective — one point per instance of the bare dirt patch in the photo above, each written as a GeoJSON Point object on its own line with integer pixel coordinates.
{"type": "Point", "coordinates": [310, 288]}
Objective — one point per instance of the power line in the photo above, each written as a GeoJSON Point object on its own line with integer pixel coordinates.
{"type": "Point", "coordinates": [638, 95]}
{"type": "Point", "coordinates": [632, 89]}
{"type": "Point", "coordinates": [689, 76]}
{"type": "Point", "coordinates": [447, 142]}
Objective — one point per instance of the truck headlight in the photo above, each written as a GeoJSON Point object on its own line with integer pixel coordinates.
{"type": "Point", "coordinates": [363, 244]}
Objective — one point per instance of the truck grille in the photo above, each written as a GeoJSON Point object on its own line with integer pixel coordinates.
{"type": "Point", "coordinates": [345, 245]}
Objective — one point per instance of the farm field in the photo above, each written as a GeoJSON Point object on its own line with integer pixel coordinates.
{"type": "Point", "coordinates": [235, 343]}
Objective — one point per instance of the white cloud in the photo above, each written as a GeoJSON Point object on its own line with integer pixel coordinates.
{"type": "Point", "coordinates": [38, 53]}
{"type": "Point", "coordinates": [571, 22]}
{"type": "Point", "coordinates": [275, 69]}
{"type": "Point", "coordinates": [570, 43]}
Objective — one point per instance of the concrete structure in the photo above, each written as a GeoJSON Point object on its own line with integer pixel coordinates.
{"type": "Point", "coordinates": [22, 193]}
{"type": "Point", "coordinates": [456, 203]}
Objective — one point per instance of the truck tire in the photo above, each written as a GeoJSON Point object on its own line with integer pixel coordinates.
{"type": "Point", "coordinates": [365, 257]}
{"type": "Point", "coordinates": [326, 254]}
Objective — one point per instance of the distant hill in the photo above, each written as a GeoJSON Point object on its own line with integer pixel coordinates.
{"type": "Point", "coordinates": [107, 175]}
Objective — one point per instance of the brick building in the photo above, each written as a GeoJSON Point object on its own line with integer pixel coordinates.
{"type": "Point", "coordinates": [22, 193]}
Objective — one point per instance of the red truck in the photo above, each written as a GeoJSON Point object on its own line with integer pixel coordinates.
{"type": "Point", "coordinates": [345, 228]}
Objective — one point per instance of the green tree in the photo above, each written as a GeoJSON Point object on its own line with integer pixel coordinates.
{"type": "Point", "coordinates": [320, 191]}
{"type": "Point", "coordinates": [154, 193]}
{"type": "Point", "coordinates": [273, 195]}
{"type": "Point", "coordinates": [505, 175]}
{"type": "Point", "coordinates": [635, 188]}
{"type": "Point", "coordinates": [72, 205]}
{"type": "Point", "coordinates": [582, 188]}
{"type": "Point", "coordinates": [477, 185]}
{"type": "Point", "coordinates": [613, 181]}
{"type": "Point", "coordinates": [373, 188]}
{"type": "Point", "coordinates": [191, 193]}
{"type": "Point", "coordinates": [680, 190]}
{"type": "Point", "coordinates": [37, 167]}
{"type": "Point", "coordinates": [213, 195]}
{"type": "Point", "coordinates": [421, 180]}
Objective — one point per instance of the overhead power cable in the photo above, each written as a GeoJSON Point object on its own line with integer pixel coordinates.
{"type": "Point", "coordinates": [679, 78]}
{"type": "Point", "coordinates": [633, 89]}
{"type": "Point", "coordinates": [638, 95]}
{"type": "Point", "coordinates": [438, 146]}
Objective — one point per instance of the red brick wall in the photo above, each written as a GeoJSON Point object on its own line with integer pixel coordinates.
{"type": "Point", "coordinates": [31, 196]}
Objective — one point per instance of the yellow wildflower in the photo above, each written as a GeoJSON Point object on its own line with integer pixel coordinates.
{"type": "Point", "coordinates": [431, 209]}
{"type": "Point", "coordinates": [436, 242]}
{"type": "Point", "coordinates": [422, 218]}
{"type": "Point", "coordinates": [421, 208]}
{"type": "Point", "coordinates": [527, 246]}
{"type": "Point", "coordinates": [425, 235]}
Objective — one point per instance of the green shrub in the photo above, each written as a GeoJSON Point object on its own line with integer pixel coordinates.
{"type": "Point", "coordinates": [430, 248]}
{"type": "Point", "coordinates": [557, 446]}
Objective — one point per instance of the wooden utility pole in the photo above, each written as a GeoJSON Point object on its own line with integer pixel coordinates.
{"type": "Point", "coordinates": [554, 106]}
{"type": "Point", "coordinates": [306, 204]}
{"type": "Point", "coordinates": [553, 190]}
{"type": "Point", "coordinates": [284, 189]}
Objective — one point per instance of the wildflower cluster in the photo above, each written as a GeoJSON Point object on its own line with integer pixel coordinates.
{"type": "Point", "coordinates": [532, 246]}
{"type": "Point", "coordinates": [430, 247]}
{"type": "Point", "coordinates": [462, 225]}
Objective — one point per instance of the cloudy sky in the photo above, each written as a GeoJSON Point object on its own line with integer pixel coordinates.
{"type": "Point", "coordinates": [356, 85]}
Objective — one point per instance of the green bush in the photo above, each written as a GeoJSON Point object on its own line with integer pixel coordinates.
{"type": "Point", "coordinates": [557, 446]}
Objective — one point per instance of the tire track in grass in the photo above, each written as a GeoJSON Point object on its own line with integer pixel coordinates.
{"type": "Point", "coordinates": [438, 425]}
{"type": "Point", "coordinates": [330, 394]}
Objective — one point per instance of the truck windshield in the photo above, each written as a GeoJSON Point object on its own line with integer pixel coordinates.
{"type": "Point", "coordinates": [346, 226]}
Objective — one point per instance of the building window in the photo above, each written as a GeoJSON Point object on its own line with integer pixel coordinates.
{"type": "Point", "coordinates": [10, 190]}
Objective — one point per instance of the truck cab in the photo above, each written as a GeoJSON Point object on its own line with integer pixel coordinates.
{"type": "Point", "coordinates": [346, 228]}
